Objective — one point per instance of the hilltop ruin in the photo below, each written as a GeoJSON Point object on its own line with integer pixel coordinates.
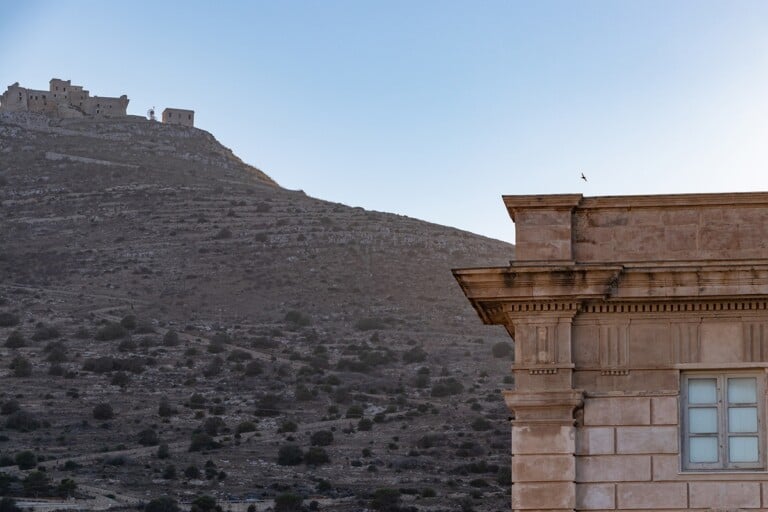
{"type": "Point", "coordinates": [63, 100]}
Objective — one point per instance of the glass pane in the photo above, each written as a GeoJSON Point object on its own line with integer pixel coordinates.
{"type": "Point", "coordinates": [742, 390]}
{"type": "Point", "coordinates": [742, 419]}
{"type": "Point", "coordinates": [702, 391]}
{"type": "Point", "coordinates": [742, 449]}
{"type": "Point", "coordinates": [703, 420]}
{"type": "Point", "coordinates": [703, 449]}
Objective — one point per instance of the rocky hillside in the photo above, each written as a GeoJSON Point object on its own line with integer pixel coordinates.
{"type": "Point", "coordinates": [278, 346]}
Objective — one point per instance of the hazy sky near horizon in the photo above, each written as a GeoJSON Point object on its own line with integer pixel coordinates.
{"type": "Point", "coordinates": [433, 109]}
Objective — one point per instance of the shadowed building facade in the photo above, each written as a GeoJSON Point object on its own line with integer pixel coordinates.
{"type": "Point", "coordinates": [641, 350]}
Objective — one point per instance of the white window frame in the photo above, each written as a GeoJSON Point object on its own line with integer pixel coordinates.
{"type": "Point", "coordinates": [723, 463]}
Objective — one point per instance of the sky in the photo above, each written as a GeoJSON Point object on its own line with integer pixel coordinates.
{"type": "Point", "coordinates": [433, 109]}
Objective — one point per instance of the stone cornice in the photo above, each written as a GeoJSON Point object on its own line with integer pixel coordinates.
{"type": "Point", "coordinates": [560, 290]}
{"type": "Point", "coordinates": [676, 200]}
{"type": "Point", "coordinates": [544, 406]}
{"type": "Point", "coordinates": [548, 202]}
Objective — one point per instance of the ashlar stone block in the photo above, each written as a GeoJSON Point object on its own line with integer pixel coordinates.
{"type": "Point", "coordinates": [650, 439]}
{"type": "Point", "coordinates": [617, 411]}
{"type": "Point", "coordinates": [543, 439]}
{"type": "Point", "coordinates": [537, 496]}
{"type": "Point", "coordinates": [664, 410]}
{"type": "Point", "coordinates": [543, 468]}
{"type": "Point", "coordinates": [651, 496]}
{"type": "Point", "coordinates": [727, 495]}
{"type": "Point", "coordinates": [595, 441]}
{"type": "Point", "coordinates": [595, 496]}
{"type": "Point", "coordinates": [613, 468]}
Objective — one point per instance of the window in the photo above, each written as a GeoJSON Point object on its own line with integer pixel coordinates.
{"type": "Point", "coordinates": [722, 421]}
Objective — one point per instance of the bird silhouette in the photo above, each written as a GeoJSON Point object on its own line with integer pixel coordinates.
{"type": "Point", "coordinates": [583, 177]}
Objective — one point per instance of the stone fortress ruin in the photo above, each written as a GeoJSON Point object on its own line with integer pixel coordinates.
{"type": "Point", "coordinates": [63, 100]}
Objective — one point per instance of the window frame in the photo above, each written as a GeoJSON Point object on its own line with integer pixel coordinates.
{"type": "Point", "coordinates": [722, 404]}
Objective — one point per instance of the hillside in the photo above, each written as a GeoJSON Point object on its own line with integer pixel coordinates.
{"type": "Point", "coordinates": [252, 318]}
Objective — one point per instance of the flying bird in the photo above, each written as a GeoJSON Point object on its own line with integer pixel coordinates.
{"type": "Point", "coordinates": [583, 177]}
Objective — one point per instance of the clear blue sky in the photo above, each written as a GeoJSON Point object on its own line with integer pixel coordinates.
{"type": "Point", "coordinates": [433, 109]}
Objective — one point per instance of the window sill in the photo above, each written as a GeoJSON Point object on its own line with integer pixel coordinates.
{"type": "Point", "coordinates": [759, 475]}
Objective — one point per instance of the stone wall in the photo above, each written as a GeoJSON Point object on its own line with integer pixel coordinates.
{"type": "Point", "coordinates": [62, 100]}
{"type": "Point", "coordinates": [640, 228]}
{"type": "Point", "coordinates": [614, 302]}
{"type": "Point", "coordinates": [105, 106]}
{"type": "Point", "coordinates": [179, 116]}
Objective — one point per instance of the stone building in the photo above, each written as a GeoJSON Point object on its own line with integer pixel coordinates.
{"type": "Point", "coordinates": [62, 99]}
{"type": "Point", "coordinates": [641, 350]}
{"type": "Point", "coordinates": [179, 116]}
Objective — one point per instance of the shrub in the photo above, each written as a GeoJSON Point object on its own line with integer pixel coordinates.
{"type": "Point", "coordinates": [253, 368]}
{"type": "Point", "coordinates": [223, 234]}
{"type": "Point", "coordinates": [370, 324]}
{"type": "Point", "coordinates": [111, 331]}
{"type": "Point", "coordinates": [239, 355]}
{"type": "Point", "coordinates": [316, 456]}
{"type": "Point", "coordinates": [8, 319]}
{"type": "Point", "coordinates": [120, 379]}
{"type": "Point", "coordinates": [364, 425]}
{"type": "Point", "coordinates": [165, 409]}
{"type": "Point", "coordinates": [202, 441]}
{"type": "Point", "coordinates": [192, 472]}
{"type": "Point", "coordinates": [25, 460]}
{"type": "Point", "coordinates": [212, 426]}
{"type": "Point", "coordinates": [22, 421]}
{"type": "Point", "coordinates": [246, 426]}
{"type": "Point", "coordinates": [415, 355]}
{"type": "Point", "coordinates": [216, 348]}
{"type": "Point", "coordinates": [103, 411]}
{"type": "Point", "coordinates": [386, 500]}
{"type": "Point", "coordinates": [57, 352]}
{"type": "Point", "coordinates": [204, 504]}
{"type": "Point", "coordinates": [354, 411]}
{"type": "Point", "coordinates": [15, 340]}
{"type": "Point", "coordinates": [481, 424]}
{"type": "Point", "coordinates": [164, 503]}
{"type": "Point", "coordinates": [504, 476]}
{"type": "Point", "coordinates": [287, 426]}
{"type": "Point", "coordinates": [36, 484]}
{"type": "Point", "coordinates": [197, 401]}
{"type": "Point", "coordinates": [268, 405]}
{"type": "Point", "coordinates": [45, 332]}
{"type": "Point", "coordinates": [214, 367]}
{"type": "Point", "coordinates": [163, 451]}
{"type": "Point", "coordinates": [8, 505]}
{"type": "Point", "coordinates": [290, 455]}
{"type": "Point", "coordinates": [447, 387]}
{"type": "Point", "coordinates": [99, 364]}
{"type": "Point", "coordinates": [66, 488]}
{"type": "Point", "coordinates": [171, 338]}
{"type": "Point", "coordinates": [71, 465]}
{"type": "Point", "coordinates": [148, 437]}
{"type": "Point", "coordinates": [169, 473]}
{"type": "Point", "coordinates": [128, 322]}
{"type": "Point", "coordinates": [288, 502]}
{"type": "Point", "coordinates": [21, 367]}
{"type": "Point", "coordinates": [10, 407]}
{"type": "Point", "coordinates": [297, 318]}
{"type": "Point", "coordinates": [501, 349]}
{"type": "Point", "coordinates": [321, 438]}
